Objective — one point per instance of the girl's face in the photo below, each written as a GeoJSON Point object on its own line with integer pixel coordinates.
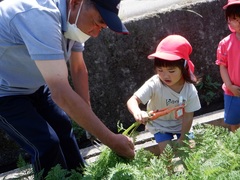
{"type": "Point", "coordinates": [234, 23]}
{"type": "Point", "coordinates": [171, 76]}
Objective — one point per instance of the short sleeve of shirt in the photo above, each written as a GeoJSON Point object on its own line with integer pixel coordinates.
{"type": "Point", "coordinates": [41, 35]}
{"type": "Point", "coordinates": [222, 53]}
{"type": "Point", "coordinates": [78, 47]}
{"type": "Point", "coordinates": [193, 102]}
{"type": "Point", "coordinates": [144, 93]}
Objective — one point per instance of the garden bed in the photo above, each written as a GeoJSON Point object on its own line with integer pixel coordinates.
{"type": "Point", "coordinates": [143, 140]}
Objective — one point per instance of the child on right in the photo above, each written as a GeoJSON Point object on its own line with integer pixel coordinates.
{"type": "Point", "coordinates": [228, 59]}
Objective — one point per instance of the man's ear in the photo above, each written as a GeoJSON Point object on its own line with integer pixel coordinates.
{"type": "Point", "coordinates": [74, 3]}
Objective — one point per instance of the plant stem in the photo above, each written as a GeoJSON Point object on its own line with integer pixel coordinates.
{"type": "Point", "coordinates": [131, 129]}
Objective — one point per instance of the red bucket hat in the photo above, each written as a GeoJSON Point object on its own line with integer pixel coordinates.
{"type": "Point", "coordinates": [174, 47]}
{"type": "Point", "coordinates": [231, 2]}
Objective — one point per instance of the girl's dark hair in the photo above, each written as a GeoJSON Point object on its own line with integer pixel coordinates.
{"type": "Point", "coordinates": [232, 11]}
{"type": "Point", "coordinates": [190, 78]}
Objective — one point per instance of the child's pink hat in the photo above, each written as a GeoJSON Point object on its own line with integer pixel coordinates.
{"type": "Point", "coordinates": [174, 47]}
{"type": "Point", "coordinates": [231, 2]}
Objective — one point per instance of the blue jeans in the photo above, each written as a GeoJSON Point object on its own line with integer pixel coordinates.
{"type": "Point", "coordinates": [41, 128]}
{"type": "Point", "coordinates": [160, 137]}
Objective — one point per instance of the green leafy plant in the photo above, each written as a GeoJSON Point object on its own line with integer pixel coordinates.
{"type": "Point", "coordinates": [130, 131]}
{"type": "Point", "coordinates": [207, 89]}
{"type": "Point", "coordinates": [107, 159]}
{"type": "Point", "coordinates": [78, 131]}
{"type": "Point", "coordinates": [215, 155]}
{"type": "Point", "coordinates": [26, 171]}
{"type": "Point", "coordinates": [57, 173]}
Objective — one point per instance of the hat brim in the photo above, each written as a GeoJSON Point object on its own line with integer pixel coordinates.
{"type": "Point", "coordinates": [232, 3]}
{"type": "Point", "coordinates": [112, 20]}
{"type": "Point", "coordinates": [164, 55]}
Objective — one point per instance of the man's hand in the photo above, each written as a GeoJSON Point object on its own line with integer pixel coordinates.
{"type": "Point", "coordinates": [123, 146]}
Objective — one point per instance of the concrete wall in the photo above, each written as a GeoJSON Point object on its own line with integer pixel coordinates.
{"type": "Point", "coordinates": [118, 65]}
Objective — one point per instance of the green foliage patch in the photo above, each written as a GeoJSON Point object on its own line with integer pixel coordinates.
{"type": "Point", "coordinates": [215, 155]}
{"type": "Point", "coordinates": [208, 89]}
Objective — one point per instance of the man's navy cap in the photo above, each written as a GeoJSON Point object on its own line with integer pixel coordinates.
{"type": "Point", "coordinates": [108, 9]}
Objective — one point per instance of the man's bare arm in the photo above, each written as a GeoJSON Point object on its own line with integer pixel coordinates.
{"type": "Point", "coordinates": [55, 73]}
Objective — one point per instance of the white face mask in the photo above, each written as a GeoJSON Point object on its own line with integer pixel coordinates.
{"type": "Point", "coordinates": [73, 32]}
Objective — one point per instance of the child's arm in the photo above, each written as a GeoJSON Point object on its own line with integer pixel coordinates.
{"type": "Point", "coordinates": [133, 107]}
{"type": "Point", "coordinates": [186, 125]}
{"type": "Point", "coordinates": [225, 77]}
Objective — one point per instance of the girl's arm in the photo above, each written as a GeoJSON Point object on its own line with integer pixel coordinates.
{"type": "Point", "coordinates": [186, 125]}
{"type": "Point", "coordinates": [133, 107]}
{"type": "Point", "coordinates": [225, 77]}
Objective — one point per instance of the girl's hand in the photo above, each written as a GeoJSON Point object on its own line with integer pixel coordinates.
{"type": "Point", "coordinates": [235, 90]}
{"type": "Point", "coordinates": [141, 117]}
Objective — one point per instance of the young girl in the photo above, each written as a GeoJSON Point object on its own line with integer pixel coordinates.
{"type": "Point", "coordinates": [170, 91]}
{"type": "Point", "coordinates": [228, 59]}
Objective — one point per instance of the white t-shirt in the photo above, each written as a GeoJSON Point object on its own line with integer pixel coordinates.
{"type": "Point", "coordinates": [158, 96]}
